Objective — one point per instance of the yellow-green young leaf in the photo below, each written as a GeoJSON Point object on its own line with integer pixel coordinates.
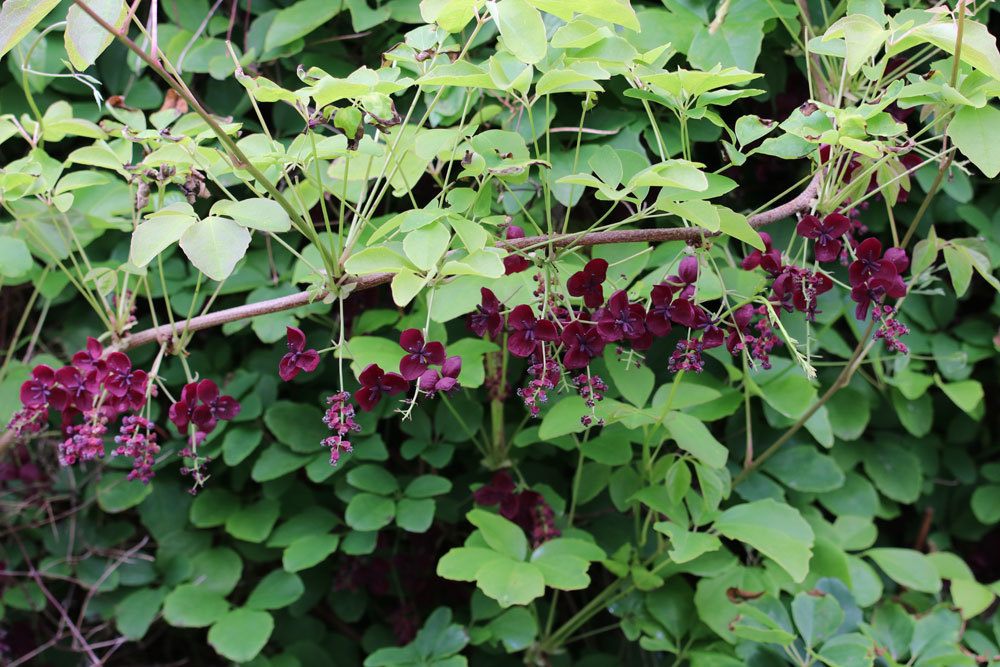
{"type": "Point", "coordinates": [425, 246]}
{"type": "Point", "coordinates": [521, 28]}
{"type": "Point", "coordinates": [615, 11]}
{"type": "Point", "coordinates": [979, 47]}
{"type": "Point", "coordinates": [214, 245]}
{"type": "Point", "coordinates": [85, 38]}
{"type": "Point", "coordinates": [18, 17]}
{"type": "Point", "coordinates": [959, 268]}
{"type": "Point", "coordinates": [452, 15]}
{"type": "Point", "coordinates": [974, 132]}
{"type": "Point", "coordinates": [693, 436]}
{"type": "Point", "coordinates": [159, 231]}
{"type": "Point", "coordinates": [510, 582]}
{"type": "Point", "coordinates": [461, 74]}
{"type": "Point", "coordinates": [735, 224]}
{"type": "Point", "coordinates": [501, 535]}
{"type": "Point", "coordinates": [405, 286]}
{"type": "Point", "coordinates": [863, 36]}
{"type": "Point", "coordinates": [375, 260]}
{"type": "Point", "coordinates": [15, 259]}
{"type": "Point", "coordinates": [908, 568]}
{"type": "Point", "coordinates": [299, 20]}
{"type": "Point", "coordinates": [257, 213]}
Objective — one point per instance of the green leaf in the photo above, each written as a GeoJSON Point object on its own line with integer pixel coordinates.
{"type": "Point", "coordinates": [959, 268]}
{"type": "Point", "coordinates": [192, 606]}
{"type": "Point", "coordinates": [805, 469]}
{"type": "Point", "coordinates": [510, 582]}
{"type": "Point", "coordinates": [463, 563]}
{"type": "Point", "coordinates": [736, 225]}
{"type": "Point", "coordinates": [308, 551]}
{"type": "Point", "coordinates": [817, 616]}
{"type": "Point", "coordinates": [686, 545]}
{"type": "Point", "coordinates": [775, 529]}
{"type": "Point", "coordinates": [751, 128]}
{"type": "Point", "coordinates": [241, 634]}
{"type": "Point", "coordinates": [298, 21]}
{"type": "Point", "coordinates": [257, 213]}
{"type": "Point", "coordinates": [276, 590]}
{"type": "Point", "coordinates": [634, 382]}
{"type": "Point", "coordinates": [516, 628]}
{"type": "Point", "coordinates": [212, 507]}
{"type": "Point", "coordinates": [15, 258]}
{"type": "Point", "coordinates": [137, 611]}
{"type": "Point", "coordinates": [375, 260]}
{"type": "Point", "coordinates": [425, 246]}
{"type": "Point", "coordinates": [298, 425]}
{"type": "Point", "coordinates": [500, 534]}
{"type": "Point", "coordinates": [115, 493]}
{"type": "Point", "coordinates": [214, 245]}
{"type": "Point", "coordinates": [367, 511]}
{"type": "Point", "coordinates": [254, 522]}
{"type": "Point", "coordinates": [415, 516]}
{"type": "Point", "coordinates": [373, 478]}
{"type": "Point", "coordinates": [979, 47]}
{"type": "Point", "coordinates": [986, 503]}
{"type": "Point", "coordinates": [615, 11]}
{"type": "Point", "coordinates": [218, 569]}
{"type": "Point", "coordinates": [85, 38]}
{"type": "Point", "coordinates": [693, 436]}
{"type": "Point", "coordinates": [18, 17]}
{"type": "Point", "coordinates": [406, 285]}
{"type": "Point", "coordinates": [159, 231]}
{"type": "Point", "coordinates": [908, 568]}
{"type": "Point", "coordinates": [895, 469]}
{"type": "Point", "coordinates": [427, 486]}
{"type": "Point", "coordinates": [521, 29]}
{"type": "Point", "coordinates": [966, 394]}
{"type": "Point", "coordinates": [973, 130]}
{"type": "Point", "coordinates": [275, 462]}
{"type": "Point", "coordinates": [863, 36]}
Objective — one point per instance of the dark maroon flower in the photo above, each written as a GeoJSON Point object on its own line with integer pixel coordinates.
{"type": "Point", "coordinates": [583, 343]}
{"type": "Point", "coordinates": [589, 283]}
{"type": "Point", "coordinates": [527, 331]}
{"type": "Point", "coordinates": [121, 379]}
{"type": "Point", "coordinates": [41, 390]}
{"type": "Point", "coordinates": [214, 407]}
{"type": "Point", "coordinates": [658, 316]}
{"type": "Point", "coordinates": [446, 381]}
{"type": "Point", "coordinates": [374, 383]}
{"type": "Point", "coordinates": [81, 386]}
{"type": "Point", "coordinates": [182, 411]}
{"type": "Point", "coordinates": [684, 312]}
{"type": "Point", "coordinates": [514, 263]}
{"type": "Point", "coordinates": [298, 358]}
{"type": "Point", "coordinates": [419, 355]}
{"type": "Point", "coordinates": [487, 318]}
{"type": "Point", "coordinates": [687, 276]}
{"type": "Point", "coordinates": [500, 488]}
{"type": "Point", "coordinates": [798, 289]}
{"type": "Point", "coordinates": [826, 232]}
{"type": "Point", "coordinates": [90, 358]}
{"type": "Point", "coordinates": [739, 336]}
{"type": "Point", "coordinates": [621, 319]}
{"type": "Point", "coordinates": [769, 259]}
{"type": "Point", "coordinates": [868, 254]}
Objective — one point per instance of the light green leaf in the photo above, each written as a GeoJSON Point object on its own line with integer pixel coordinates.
{"type": "Point", "coordinates": [775, 529]}
{"type": "Point", "coordinates": [462, 563]}
{"type": "Point", "coordinates": [215, 245]}
{"type": "Point", "coordinates": [18, 17]}
{"type": "Point", "coordinates": [15, 258]}
{"type": "Point", "coordinates": [159, 231]}
{"type": "Point", "coordinates": [502, 535]}
{"type": "Point", "coordinates": [862, 34]}
{"type": "Point", "coordinates": [192, 606]}
{"type": "Point", "coordinates": [425, 246]}
{"type": "Point", "coordinates": [377, 259]}
{"type": "Point", "coordinates": [521, 28]}
{"type": "Point", "coordinates": [510, 582]}
{"type": "Point", "coordinates": [367, 512]}
{"type": "Point", "coordinates": [241, 634]}
{"type": "Point", "coordinates": [685, 545]}
{"type": "Point", "coordinates": [908, 568]}
{"type": "Point", "coordinates": [308, 551]}
{"type": "Point", "coordinates": [276, 590]}
{"type": "Point", "coordinates": [85, 39]}
{"type": "Point", "coordinates": [415, 515]}
{"type": "Point", "coordinates": [299, 20]}
{"type": "Point", "coordinates": [693, 436]}
{"type": "Point", "coordinates": [406, 285]}
{"type": "Point", "coordinates": [257, 213]}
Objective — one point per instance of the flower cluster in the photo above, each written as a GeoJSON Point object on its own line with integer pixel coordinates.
{"type": "Point", "coordinates": [528, 509]}
{"type": "Point", "coordinates": [414, 365]}
{"type": "Point", "coordinates": [201, 405]}
{"type": "Point", "coordinates": [96, 388]}
{"type": "Point", "coordinates": [137, 440]}
{"type": "Point", "coordinates": [339, 418]}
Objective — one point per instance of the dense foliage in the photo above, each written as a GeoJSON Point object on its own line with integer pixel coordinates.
{"type": "Point", "coordinates": [446, 332]}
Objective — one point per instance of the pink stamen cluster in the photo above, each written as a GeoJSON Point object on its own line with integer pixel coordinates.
{"type": "Point", "coordinates": [339, 418]}
{"type": "Point", "coordinates": [137, 439]}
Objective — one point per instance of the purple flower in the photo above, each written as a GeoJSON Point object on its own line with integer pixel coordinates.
{"type": "Point", "coordinates": [120, 379]}
{"type": "Point", "coordinates": [374, 383]}
{"type": "Point", "coordinates": [687, 276]}
{"type": "Point", "coordinates": [487, 318]}
{"type": "Point", "coordinates": [659, 315]}
{"type": "Point", "coordinates": [41, 390]}
{"type": "Point", "coordinates": [514, 263]}
{"type": "Point", "coordinates": [826, 232]}
{"type": "Point", "coordinates": [528, 331]}
{"type": "Point", "coordinates": [621, 319]}
{"type": "Point", "coordinates": [80, 386]}
{"type": "Point", "coordinates": [589, 283]}
{"type": "Point", "coordinates": [419, 355]}
{"type": "Point", "coordinates": [214, 407]}
{"type": "Point", "coordinates": [298, 358]}
{"type": "Point", "coordinates": [446, 381]}
{"type": "Point", "coordinates": [90, 358]}
{"type": "Point", "coordinates": [769, 259]}
{"type": "Point", "coordinates": [739, 337]}
{"type": "Point", "coordinates": [583, 343]}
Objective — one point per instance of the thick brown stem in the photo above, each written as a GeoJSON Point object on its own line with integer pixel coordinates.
{"type": "Point", "coordinates": [163, 333]}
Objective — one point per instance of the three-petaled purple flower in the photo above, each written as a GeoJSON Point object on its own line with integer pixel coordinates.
{"type": "Point", "coordinates": [875, 276]}
{"type": "Point", "coordinates": [298, 358]}
{"type": "Point", "coordinates": [589, 282]}
{"type": "Point", "coordinates": [432, 382]}
{"type": "Point", "coordinates": [202, 405]}
{"type": "Point", "coordinates": [623, 320]}
{"type": "Point", "coordinates": [769, 259]}
{"type": "Point", "coordinates": [374, 383]}
{"type": "Point", "coordinates": [487, 318]}
{"type": "Point", "coordinates": [826, 232]}
{"type": "Point", "coordinates": [514, 263]}
{"type": "Point", "coordinates": [528, 331]}
{"type": "Point", "coordinates": [120, 379]}
{"type": "Point", "coordinates": [687, 276]}
{"type": "Point", "coordinates": [41, 390]}
{"type": "Point", "coordinates": [583, 343]}
{"type": "Point", "coordinates": [419, 354]}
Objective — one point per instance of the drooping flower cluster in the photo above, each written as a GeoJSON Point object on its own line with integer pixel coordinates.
{"type": "Point", "coordinates": [89, 394]}
{"type": "Point", "coordinates": [414, 365]}
{"type": "Point", "coordinates": [527, 508]}
{"type": "Point", "coordinates": [339, 418]}
{"type": "Point", "coordinates": [137, 440]}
